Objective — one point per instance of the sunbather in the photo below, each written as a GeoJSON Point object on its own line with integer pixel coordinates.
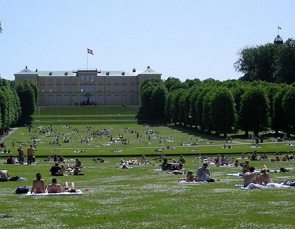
{"type": "Point", "coordinates": [54, 187]}
{"type": "Point", "coordinates": [38, 184]}
{"type": "Point", "coordinates": [249, 177]}
{"type": "Point", "coordinates": [4, 175]}
{"type": "Point", "coordinates": [263, 178]}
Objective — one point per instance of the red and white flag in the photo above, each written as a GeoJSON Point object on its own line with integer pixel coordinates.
{"type": "Point", "coordinates": [90, 51]}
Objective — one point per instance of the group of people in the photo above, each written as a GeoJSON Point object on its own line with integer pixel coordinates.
{"type": "Point", "coordinates": [57, 170]}
{"type": "Point", "coordinates": [40, 187]}
{"type": "Point", "coordinates": [251, 177]}
{"type": "Point", "coordinates": [203, 174]}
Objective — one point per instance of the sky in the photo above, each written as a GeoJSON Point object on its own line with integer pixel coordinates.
{"type": "Point", "coordinates": [186, 39]}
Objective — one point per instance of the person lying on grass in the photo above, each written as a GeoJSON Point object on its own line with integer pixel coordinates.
{"type": "Point", "coordinates": [253, 179]}
{"type": "Point", "coordinates": [4, 176]}
{"type": "Point", "coordinates": [38, 184]}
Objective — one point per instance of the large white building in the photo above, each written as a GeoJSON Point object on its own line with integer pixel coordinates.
{"type": "Point", "coordinates": [84, 86]}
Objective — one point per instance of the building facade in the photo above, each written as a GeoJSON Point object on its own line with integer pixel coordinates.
{"type": "Point", "coordinates": [87, 87]}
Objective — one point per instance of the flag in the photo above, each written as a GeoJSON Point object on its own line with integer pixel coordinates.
{"type": "Point", "coordinates": [90, 51]}
{"type": "Point", "coordinates": [1, 28]}
{"type": "Point", "coordinates": [279, 27]}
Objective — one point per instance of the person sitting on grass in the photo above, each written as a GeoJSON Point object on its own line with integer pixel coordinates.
{"type": "Point", "coordinates": [190, 176]}
{"type": "Point", "coordinates": [165, 165]}
{"type": "Point", "coordinates": [143, 160]}
{"type": "Point", "coordinates": [181, 160]}
{"type": "Point", "coordinates": [78, 163]}
{"type": "Point", "coordinates": [54, 187]}
{"type": "Point", "coordinates": [246, 167]}
{"type": "Point", "coordinates": [78, 171]}
{"type": "Point", "coordinates": [4, 176]}
{"type": "Point", "coordinates": [249, 177]}
{"type": "Point", "coordinates": [203, 174]}
{"type": "Point", "coordinates": [263, 178]}
{"type": "Point", "coordinates": [56, 170]}
{"type": "Point", "coordinates": [98, 160]}
{"type": "Point", "coordinates": [38, 184]}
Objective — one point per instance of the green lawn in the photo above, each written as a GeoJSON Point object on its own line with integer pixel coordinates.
{"type": "Point", "coordinates": [141, 197]}
{"type": "Point", "coordinates": [167, 140]}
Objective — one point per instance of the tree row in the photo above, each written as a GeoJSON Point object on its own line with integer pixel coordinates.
{"type": "Point", "coordinates": [218, 107]}
{"type": "Point", "coordinates": [17, 104]}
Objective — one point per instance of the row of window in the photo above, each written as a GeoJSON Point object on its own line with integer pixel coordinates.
{"type": "Point", "coordinates": [71, 100]}
{"type": "Point", "coordinates": [86, 80]}
{"type": "Point", "coordinates": [90, 88]}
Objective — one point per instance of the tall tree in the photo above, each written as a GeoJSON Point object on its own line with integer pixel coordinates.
{"type": "Point", "coordinates": [26, 94]}
{"type": "Point", "coordinates": [223, 114]}
{"type": "Point", "coordinates": [173, 83]}
{"type": "Point", "coordinates": [153, 100]}
{"type": "Point", "coordinates": [254, 110]}
{"type": "Point", "coordinates": [158, 102]}
{"type": "Point", "coordinates": [279, 121]}
{"type": "Point", "coordinates": [285, 63]}
{"type": "Point", "coordinates": [288, 106]}
{"type": "Point", "coordinates": [175, 107]}
{"type": "Point", "coordinates": [269, 62]}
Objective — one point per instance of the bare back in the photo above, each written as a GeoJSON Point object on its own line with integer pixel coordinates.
{"type": "Point", "coordinates": [38, 186]}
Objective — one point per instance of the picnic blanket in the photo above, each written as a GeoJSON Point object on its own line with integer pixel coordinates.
{"type": "Point", "coordinates": [268, 186]}
{"type": "Point", "coordinates": [78, 192]}
{"type": "Point", "coordinates": [235, 174]}
{"type": "Point", "coordinates": [190, 183]}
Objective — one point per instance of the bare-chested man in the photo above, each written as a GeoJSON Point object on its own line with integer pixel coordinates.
{"type": "Point", "coordinates": [38, 184]}
{"type": "Point", "coordinates": [54, 187]}
{"type": "Point", "coordinates": [30, 154]}
{"type": "Point", "coordinates": [249, 177]}
{"type": "Point", "coordinates": [263, 178]}
{"type": "Point", "coordinates": [4, 175]}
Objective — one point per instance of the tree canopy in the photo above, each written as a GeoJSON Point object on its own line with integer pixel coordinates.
{"type": "Point", "coordinates": [269, 62]}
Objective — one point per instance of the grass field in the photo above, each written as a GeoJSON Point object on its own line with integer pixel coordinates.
{"type": "Point", "coordinates": [143, 196]}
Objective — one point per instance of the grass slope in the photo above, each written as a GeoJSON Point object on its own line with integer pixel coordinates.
{"type": "Point", "coordinates": [141, 197]}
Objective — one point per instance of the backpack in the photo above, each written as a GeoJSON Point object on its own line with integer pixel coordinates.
{"type": "Point", "coordinates": [22, 190]}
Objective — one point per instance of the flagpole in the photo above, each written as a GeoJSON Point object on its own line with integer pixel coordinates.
{"type": "Point", "coordinates": [87, 60]}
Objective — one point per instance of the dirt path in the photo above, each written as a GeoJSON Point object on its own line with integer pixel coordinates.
{"type": "Point", "coordinates": [4, 136]}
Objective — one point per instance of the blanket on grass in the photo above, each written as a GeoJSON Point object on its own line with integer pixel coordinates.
{"type": "Point", "coordinates": [190, 183]}
{"type": "Point", "coordinates": [268, 186]}
{"type": "Point", "coordinates": [78, 192]}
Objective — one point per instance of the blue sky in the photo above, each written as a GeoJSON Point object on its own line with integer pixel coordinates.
{"type": "Point", "coordinates": [186, 39]}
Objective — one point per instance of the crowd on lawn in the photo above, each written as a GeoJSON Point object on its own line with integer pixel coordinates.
{"type": "Point", "coordinates": [60, 167]}
{"type": "Point", "coordinates": [251, 178]}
